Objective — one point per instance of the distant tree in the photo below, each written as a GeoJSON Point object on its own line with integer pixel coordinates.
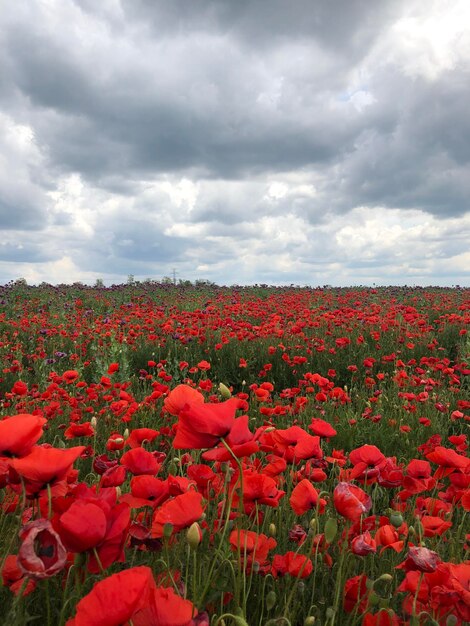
{"type": "Point", "coordinates": [131, 279]}
{"type": "Point", "coordinates": [167, 280]}
{"type": "Point", "coordinates": [99, 283]}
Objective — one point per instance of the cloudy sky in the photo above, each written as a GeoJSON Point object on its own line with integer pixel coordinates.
{"type": "Point", "coordinates": [250, 141]}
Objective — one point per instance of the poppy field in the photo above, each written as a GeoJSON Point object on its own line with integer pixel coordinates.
{"type": "Point", "coordinates": [176, 455]}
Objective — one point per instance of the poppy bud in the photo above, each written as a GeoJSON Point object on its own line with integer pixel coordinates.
{"type": "Point", "coordinates": [93, 422]}
{"type": "Point", "coordinates": [451, 620]}
{"type": "Point", "coordinates": [172, 468]}
{"type": "Point", "coordinates": [313, 523]}
{"type": "Point", "coordinates": [396, 519]}
{"type": "Point", "coordinates": [126, 433]}
{"type": "Point", "coordinates": [331, 528]}
{"type": "Point", "coordinates": [194, 535]}
{"type": "Point", "coordinates": [309, 621]}
{"type": "Point", "coordinates": [271, 600]}
{"type": "Point", "coordinates": [224, 391]}
{"type": "Point", "coordinates": [272, 530]}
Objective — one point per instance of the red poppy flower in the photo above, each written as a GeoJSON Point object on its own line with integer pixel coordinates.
{"type": "Point", "coordinates": [14, 577]}
{"type": "Point", "coordinates": [82, 526]}
{"type": "Point", "coordinates": [96, 522]}
{"type": "Point", "coordinates": [363, 544]}
{"type": "Point", "coordinates": [297, 565]}
{"type": "Point", "coordinates": [203, 425]}
{"type": "Point", "coordinates": [253, 548]}
{"type": "Point", "coordinates": [140, 461]}
{"type": "Point", "coordinates": [45, 466]}
{"type": "Point", "coordinates": [139, 435]}
{"type": "Point", "coordinates": [366, 461]}
{"type": "Point", "coordinates": [180, 512]}
{"type": "Point", "coordinates": [258, 488]}
{"type": "Point", "coordinates": [79, 430]}
{"type": "Point", "coordinates": [294, 444]}
{"type": "Point", "coordinates": [305, 497]}
{"type": "Point", "coordinates": [322, 428]}
{"type": "Point", "coordinates": [180, 396]}
{"type": "Point", "coordinates": [41, 552]}
{"type": "Point", "coordinates": [240, 440]}
{"type": "Point", "coordinates": [132, 595]}
{"type": "Point", "coordinates": [351, 501]}
{"type": "Point", "coordinates": [19, 433]}
{"type": "Point", "coordinates": [355, 594]}
{"type": "Point", "coordinates": [113, 367]}
{"type": "Point", "coordinates": [420, 559]}
{"type": "Point", "coordinates": [70, 376]}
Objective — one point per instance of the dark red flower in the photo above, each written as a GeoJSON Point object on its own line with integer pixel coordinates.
{"type": "Point", "coordinates": [355, 594]}
{"type": "Point", "coordinates": [420, 559]}
{"type": "Point", "coordinates": [363, 544]}
{"type": "Point", "coordinates": [41, 552]}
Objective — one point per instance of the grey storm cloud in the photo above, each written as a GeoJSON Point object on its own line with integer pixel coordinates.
{"type": "Point", "coordinates": [278, 114]}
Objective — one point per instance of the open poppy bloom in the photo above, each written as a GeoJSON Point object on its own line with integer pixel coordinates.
{"type": "Point", "coordinates": [180, 512]}
{"type": "Point", "coordinates": [240, 440]}
{"type": "Point", "coordinates": [132, 595]}
{"type": "Point", "coordinates": [297, 565]}
{"type": "Point", "coordinates": [41, 552]}
{"type": "Point", "coordinates": [202, 425]}
{"type": "Point", "coordinates": [19, 433]}
{"type": "Point", "coordinates": [253, 548]}
{"type": "Point", "coordinates": [46, 466]}
{"type": "Point", "coordinates": [305, 497]}
{"type": "Point", "coordinates": [180, 396]}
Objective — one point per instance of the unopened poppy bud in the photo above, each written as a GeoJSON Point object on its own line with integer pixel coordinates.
{"type": "Point", "coordinates": [61, 443]}
{"type": "Point", "coordinates": [309, 621]}
{"type": "Point", "coordinates": [93, 422]}
{"type": "Point", "coordinates": [126, 433]}
{"type": "Point", "coordinates": [331, 528]}
{"type": "Point", "coordinates": [271, 600]}
{"type": "Point", "coordinates": [330, 612]}
{"type": "Point", "coordinates": [194, 535]}
{"type": "Point", "coordinates": [118, 492]}
{"type": "Point", "coordinates": [172, 468]}
{"type": "Point", "coordinates": [272, 530]}
{"type": "Point", "coordinates": [396, 519]}
{"type": "Point", "coordinates": [313, 523]}
{"type": "Point", "coordinates": [451, 620]}
{"type": "Point", "coordinates": [167, 530]}
{"type": "Point", "coordinates": [385, 577]}
{"type": "Point", "coordinates": [224, 391]}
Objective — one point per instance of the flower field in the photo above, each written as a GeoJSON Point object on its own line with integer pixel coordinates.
{"type": "Point", "coordinates": [180, 455]}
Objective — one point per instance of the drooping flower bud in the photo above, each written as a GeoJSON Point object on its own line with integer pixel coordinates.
{"type": "Point", "coordinates": [194, 535]}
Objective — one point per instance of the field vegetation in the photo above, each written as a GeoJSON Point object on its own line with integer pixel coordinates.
{"type": "Point", "coordinates": [176, 455]}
